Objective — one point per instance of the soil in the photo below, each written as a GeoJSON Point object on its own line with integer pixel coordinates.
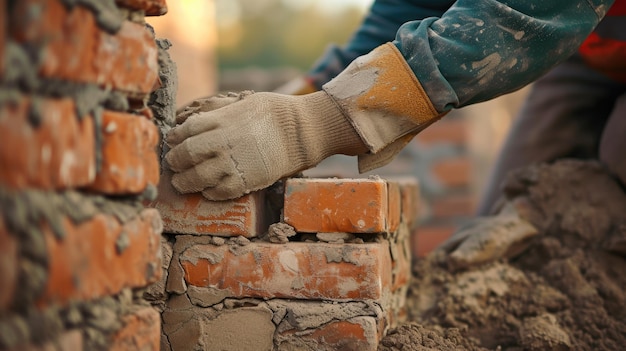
{"type": "Point", "coordinates": [567, 291]}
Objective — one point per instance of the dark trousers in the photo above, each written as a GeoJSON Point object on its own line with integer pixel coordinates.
{"type": "Point", "coordinates": [571, 112]}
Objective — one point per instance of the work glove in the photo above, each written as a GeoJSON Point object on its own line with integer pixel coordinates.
{"type": "Point", "coordinates": [487, 239]}
{"type": "Point", "coordinates": [370, 110]}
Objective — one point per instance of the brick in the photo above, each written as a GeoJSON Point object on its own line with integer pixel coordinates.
{"type": "Point", "coordinates": [394, 211]}
{"type": "Point", "coordinates": [194, 214]}
{"type": "Point", "coordinates": [293, 270]}
{"type": "Point", "coordinates": [8, 267]}
{"type": "Point", "coordinates": [58, 153]}
{"type": "Point", "coordinates": [88, 263]}
{"type": "Point", "coordinates": [141, 331]}
{"type": "Point", "coordinates": [400, 248]}
{"type": "Point", "coordinates": [453, 205]}
{"type": "Point", "coordinates": [68, 341]}
{"type": "Point", "coordinates": [449, 131]}
{"type": "Point", "coordinates": [75, 49]}
{"type": "Point", "coordinates": [426, 238]}
{"type": "Point", "coordinates": [150, 7]}
{"type": "Point", "coordinates": [453, 172]}
{"type": "Point", "coordinates": [409, 199]}
{"type": "Point", "coordinates": [129, 158]}
{"type": "Point", "coordinates": [241, 329]}
{"type": "Point", "coordinates": [337, 205]}
{"type": "Point", "coordinates": [354, 334]}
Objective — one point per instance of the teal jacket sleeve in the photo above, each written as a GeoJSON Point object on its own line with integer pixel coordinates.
{"type": "Point", "coordinates": [480, 49]}
{"type": "Point", "coordinates": [470, 51]}
{"type": "Point", "coordinates": [379, 26]}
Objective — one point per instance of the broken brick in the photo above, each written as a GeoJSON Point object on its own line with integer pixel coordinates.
{"type": "Point", "coordinates": [88, 262]}
{"type": "Point", "coordinates": [193, 214]}
{"type": "Point", "coordinates": [129, 158]}
{"type": "Point", "coordinates": [48, 147]}
{"type": "Point", "coordinates": [141, 331]}
{"type": "Point", "coordinates": [74, 48]}
{"type": "Point", "coordinates": [338, 205]}
{"type": "Point", "coordinates": [150, 7]}
{"type": "Point", "coordinates": [355, 334]}
{"type": "Point", "coordinates": [293, 270]}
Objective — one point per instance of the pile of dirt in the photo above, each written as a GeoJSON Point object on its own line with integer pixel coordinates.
{"type": "Point", "coordinates": [567, 291]}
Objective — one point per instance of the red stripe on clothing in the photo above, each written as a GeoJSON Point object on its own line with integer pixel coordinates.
{"type": "Point", "coordinates": [618, 8]}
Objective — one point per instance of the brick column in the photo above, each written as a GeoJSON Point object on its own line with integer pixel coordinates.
{"type": "Point", "coordinates": [331, 275]}
{"type": "Point", "coordinates": [77, 160]}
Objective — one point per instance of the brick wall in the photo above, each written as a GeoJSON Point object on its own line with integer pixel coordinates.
{"type": "Point", "coordinates": [77, 159]}
{"type": "Point", "coordinates": [319, 264]}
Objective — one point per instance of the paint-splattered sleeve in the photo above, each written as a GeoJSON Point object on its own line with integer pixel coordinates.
{"type": "Point", "coordinates": [480, 49]}
{"type": "Point", "coordinates": [379, 26]}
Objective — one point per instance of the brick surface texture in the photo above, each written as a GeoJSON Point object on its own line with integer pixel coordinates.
{"type": "Point", "coordinates": [358, 283]}
{"type": "Point", "coordinates": [58, 153]}
{"type": "Point", "coordinates": [337, 205]}
{"type": "Point", "coordinates": [79, 156]}
{"type": "Point", "coordinates": [193, 214]}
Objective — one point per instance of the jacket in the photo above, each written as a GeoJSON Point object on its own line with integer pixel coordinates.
{"type": "Point", "coordinates": [470, 51]}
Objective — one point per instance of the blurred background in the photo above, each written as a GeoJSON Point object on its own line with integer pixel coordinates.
{"type": "Point", "coordinates": [233, 45]}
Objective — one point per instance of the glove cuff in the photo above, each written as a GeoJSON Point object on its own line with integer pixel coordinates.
{"type": "Point", "coordinates": [384, 101]}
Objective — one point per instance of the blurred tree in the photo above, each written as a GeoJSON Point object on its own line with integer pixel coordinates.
{"type": "Point", "coordinates": [270, 33]}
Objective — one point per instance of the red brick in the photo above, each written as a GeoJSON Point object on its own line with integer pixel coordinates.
{"type": "Point", "coordinates": [8, 267]}
{"type": "Point", "coordinates": [151, 7]}
{"type": "Point", "coordinates": [426, 238]}
{"type": "Point", "coordinates": [68, 341]}
{"type": "Point", "coordinates": [86, 263]}
{"type": "Point", "coordinates": [194, 214]}
{"type": "Point", "coordinates": [355, 334]}
{"type": "Point", "coordinates": [294, 270]}
{"type": "Point", "coordinates": [75, 49]}
{"type": "Point", "coordinates": [129, 158]}
{"type": "Point", "coordinates": [453, 172]}
{"type": "Point", "coordinates": [400, 247]}
{"type": "Point", "coordinates": [394, 206]}
{"type": "Point", "coordinates": [450, 131]}
{"type": "Point", "coordinates": [337, 205]}
{"type": "Point", "coordinates": [409, 199]}
{"type": "Point", "coordinates": [59, 153]}
{"type": "Point", "coordinates": [453, 205]}
{"type": "Point", "coordinates": [141, 331]}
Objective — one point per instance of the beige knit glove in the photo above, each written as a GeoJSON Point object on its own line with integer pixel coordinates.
{"type": "Point", "coordinates": [487, 239]}
{"type": "Point", "coordinates": [371, 109]}
{"type": "Point", "coordinates": [251, 143]}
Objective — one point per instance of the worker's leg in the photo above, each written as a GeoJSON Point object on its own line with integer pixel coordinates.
{"type": "Point", "coordinates": [563, 117]}
{"type": "Point", "coordinates": [613, 141]}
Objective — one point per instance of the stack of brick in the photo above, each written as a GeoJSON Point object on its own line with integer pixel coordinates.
{"type": "Point", "coordinates": [77, 247]}
{"type": "Point", "coordinates": [308, 264]}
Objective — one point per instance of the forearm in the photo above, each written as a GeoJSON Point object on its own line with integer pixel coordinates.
{"type": "Point", "coordinates": [480, 49]}
{"type": "Point", "coordinates": [379, 26]}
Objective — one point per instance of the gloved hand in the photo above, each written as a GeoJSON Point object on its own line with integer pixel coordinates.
{"type": "Point", "coordinates": [254, 141]}
{"type": "Point", "coordinates": [486, 239]}
{"type": "Point", "coordinates": [209, 104]}
{"type": "Point", "coordinates": [250, 144]}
